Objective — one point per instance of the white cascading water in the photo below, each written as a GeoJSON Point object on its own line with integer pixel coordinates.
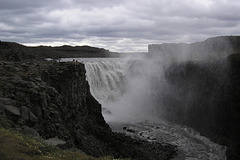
{"type": "Point", "coordinates": [124, 87]}
{"type": "Point", "coordinates": [106, 79]}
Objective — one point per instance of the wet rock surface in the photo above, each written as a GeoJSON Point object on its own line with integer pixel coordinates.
{"type": "Point", "coordinates": [53, 100]}
{"type": "Point", "coordinates": [207, 98]}
{"type": "Point", "coordinates": [190, 143]}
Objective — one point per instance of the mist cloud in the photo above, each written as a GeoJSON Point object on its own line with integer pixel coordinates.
{"type": "Point", "coordinates": [116, 25]}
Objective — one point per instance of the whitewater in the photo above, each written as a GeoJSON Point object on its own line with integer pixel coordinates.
{"type": "Point", "coordinates": [126, 89]}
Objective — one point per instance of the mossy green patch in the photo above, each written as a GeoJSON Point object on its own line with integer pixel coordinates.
{"type": "Point", "coordinates": [16, 146]}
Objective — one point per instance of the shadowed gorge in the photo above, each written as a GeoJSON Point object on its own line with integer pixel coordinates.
{"type": "Point", "coordinates": [180, 98]}
{"type": "Point", "coordinates": [204, 90]}
{"type": "Point", "coordinates": [189, 84]}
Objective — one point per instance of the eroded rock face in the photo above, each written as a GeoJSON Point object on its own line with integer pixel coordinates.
{"type": "Point", "coordinates": [54, 101]}
{"type": "Point", "coordinates": [203, 91]}
{"type": "Point", "coordinates": [206, 97]}
{"type": "Point", "coordinates": [53, 98]}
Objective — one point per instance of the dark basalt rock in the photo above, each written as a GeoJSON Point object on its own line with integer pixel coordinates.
{"type": "Point", "coordinates": [207, 98]}
{"type": "Point", "coordinates": [53, 100]}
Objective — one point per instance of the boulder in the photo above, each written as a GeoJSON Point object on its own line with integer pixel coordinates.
{"type": "Point", "coordinates": [12, 109]}
{"type": "Point", "coordinates": [8, 107]}
{"type": "Point", "coordinates": [29, 131]}
{"type": "Point", "coordinates": [54, 142]}
{"type": "Point", "coordinates": [27, 115]}
{"type": "Point", "coordinates": [32, 117]}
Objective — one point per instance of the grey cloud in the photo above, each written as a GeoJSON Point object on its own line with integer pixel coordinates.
{"type": "Point", "coordinates": [109, 21]}
{"type": "Point", "coordinates": [30, 4]}
{"type": "Point", "coordinates": [90, 4]}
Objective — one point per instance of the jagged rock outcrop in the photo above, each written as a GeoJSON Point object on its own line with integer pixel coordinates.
{"type": "Point", "coordinates": [53, 100]}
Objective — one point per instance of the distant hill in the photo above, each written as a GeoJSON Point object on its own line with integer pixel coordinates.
{"type": "Point", "coordinates": [17, 52]}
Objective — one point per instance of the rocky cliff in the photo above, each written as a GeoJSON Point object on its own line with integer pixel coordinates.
{"type": "Point", "coordinates": [52, 100]}
{"type": "Point", "coordinates": [207, 98]}
{"type": "Point", "coordinates": [209, 50]}
{"type": "Point", "coordinates": [203, 81]}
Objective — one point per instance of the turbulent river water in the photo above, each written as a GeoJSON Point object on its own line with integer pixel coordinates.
{"type": "Point", "coordinates": [124, 88]}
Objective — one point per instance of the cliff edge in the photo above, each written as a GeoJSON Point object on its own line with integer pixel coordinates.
{"type": "Point", "coordinates": [52, 100]}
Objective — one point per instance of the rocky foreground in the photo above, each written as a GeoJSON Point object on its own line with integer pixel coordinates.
{"type": "Point", "coordinates": [52, 100]}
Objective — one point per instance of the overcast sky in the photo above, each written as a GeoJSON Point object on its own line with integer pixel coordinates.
{"type": "Point", "coordinates": [118, 25]}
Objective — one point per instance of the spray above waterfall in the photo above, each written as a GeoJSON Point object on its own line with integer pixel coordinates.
{"type": "Point", "coordinates": [172, 85]}
{"type": "Point", "coordinates": [133, 90]}
{"type": "Point", "coordinates": [136, 88]}
{"type": "Point", "coordinates": [120, 86]}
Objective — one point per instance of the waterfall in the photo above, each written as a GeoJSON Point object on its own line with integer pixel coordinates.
{"type": "Point", "coordinates": [123, 87]}
{"type": "Point", "coordinates": [184, 84]}
{"type": "Point", "coordinates": [168, 83]}
{"type": "Point", "coordinates": [107, 79]}
{"type": "Point", "coordinates": [132, 91]}
{"type": "Point", "coordinates": [180, 84]}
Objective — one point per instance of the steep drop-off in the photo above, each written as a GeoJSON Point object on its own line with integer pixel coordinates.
{"type": "Point", "coordinates": [202, 92]}
{"type": "Point", "coordinates": [53, 100]}
{"type": "Point", "coordinates": [207, 98]}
